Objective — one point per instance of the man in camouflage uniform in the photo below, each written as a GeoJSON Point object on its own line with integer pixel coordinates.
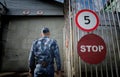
{"type": "Point", "coordinates": [42, 54]}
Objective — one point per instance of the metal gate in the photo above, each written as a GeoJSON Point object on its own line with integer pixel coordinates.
{"type": "Point", "coordinates": [109, 29]}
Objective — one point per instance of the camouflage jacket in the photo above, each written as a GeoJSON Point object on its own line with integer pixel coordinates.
{"type": "Point", "coordinates": [44, 49]}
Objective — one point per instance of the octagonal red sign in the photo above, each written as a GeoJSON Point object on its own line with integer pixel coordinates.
{"type": "Point", "coordinates": [92, 49]}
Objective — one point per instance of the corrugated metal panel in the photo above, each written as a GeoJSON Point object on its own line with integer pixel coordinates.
{"type": "Point", "coordinates": [33, 7]}
{"type": "Point", "coordinates": [62, 1]}
{"type": "Point", "coordinates": [3, 9]}
{"type": "Point", "coordinates": [109, 30]}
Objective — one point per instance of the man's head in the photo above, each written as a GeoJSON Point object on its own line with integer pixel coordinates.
{"type": "Point", "coordinates": [45, 32]}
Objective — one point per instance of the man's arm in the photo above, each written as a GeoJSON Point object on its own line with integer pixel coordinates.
{"type": "Point", "coordinates": [32, 59]}
{"type": "Point", "coordinates": [57, 56]}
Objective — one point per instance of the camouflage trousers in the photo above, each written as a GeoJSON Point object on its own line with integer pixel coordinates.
{"type": "Point", "coordinates": [44, 72]}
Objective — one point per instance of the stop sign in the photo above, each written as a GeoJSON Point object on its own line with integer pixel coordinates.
{"type": "Point", "coordinates": [91, 49]}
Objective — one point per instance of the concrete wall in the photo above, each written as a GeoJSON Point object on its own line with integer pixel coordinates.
{"type": "Point", "coordinates": [22, 31]}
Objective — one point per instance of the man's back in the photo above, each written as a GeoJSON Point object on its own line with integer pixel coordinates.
{"type": "Point", "coordinates": [42, 54]}
{"type": "Point", "coordinates": [44, 51]}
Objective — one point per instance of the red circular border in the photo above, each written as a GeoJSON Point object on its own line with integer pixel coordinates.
{"type": "Point", "coordinates": [79, 26]}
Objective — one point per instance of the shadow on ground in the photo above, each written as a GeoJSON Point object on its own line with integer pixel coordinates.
{"type": "Point", "coordinates": [14, 74]}
{"type": "Point", "coordinates": [18, 74]}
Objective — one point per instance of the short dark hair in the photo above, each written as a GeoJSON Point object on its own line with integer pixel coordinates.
{"type": "Point", "coordinates": [45, 30]}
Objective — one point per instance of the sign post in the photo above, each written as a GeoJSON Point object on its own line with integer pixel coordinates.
{"type": "Point", "coordinates": [87, 20]}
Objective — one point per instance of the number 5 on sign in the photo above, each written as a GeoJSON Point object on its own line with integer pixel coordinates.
{"type": "Point", "coordinates": [87, 20]}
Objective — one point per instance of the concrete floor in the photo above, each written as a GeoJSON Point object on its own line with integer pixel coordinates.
{"type": "Point", "coordinates": [17, 74]}
{"type": "Point", "coordinates": [14, 74]}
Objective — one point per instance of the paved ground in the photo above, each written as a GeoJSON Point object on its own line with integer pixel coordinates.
{"type": "Point", "coordinates": [17, 74]}
{"type": "Point", "coordinates": [14, 74]}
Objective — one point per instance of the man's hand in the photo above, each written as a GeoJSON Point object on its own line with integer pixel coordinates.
{"type": "Point", "coordinates": [59, 74]}
{"type": "Point", "coordinates": [31, 73]}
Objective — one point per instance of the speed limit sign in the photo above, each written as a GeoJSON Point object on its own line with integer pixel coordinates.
{"type": "Point", "coordinates": [87, 20]}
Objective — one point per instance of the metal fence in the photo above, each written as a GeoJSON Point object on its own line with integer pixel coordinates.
{"type": "Point", "coordinates": [109, 30]}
